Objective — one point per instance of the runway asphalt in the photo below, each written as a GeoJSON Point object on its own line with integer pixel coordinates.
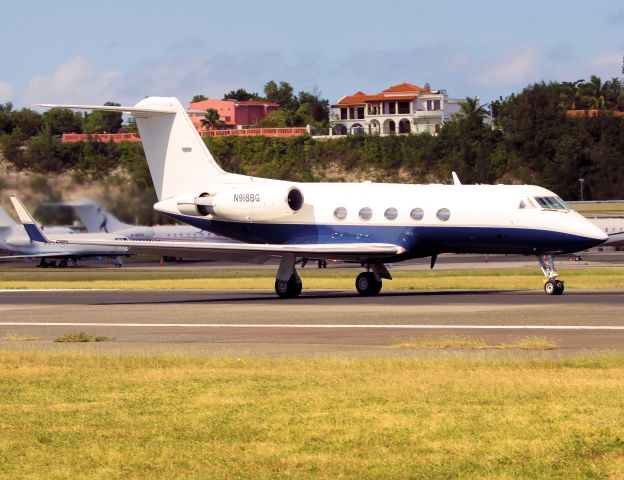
{"type": "Point", "coordinates": [335, 323]}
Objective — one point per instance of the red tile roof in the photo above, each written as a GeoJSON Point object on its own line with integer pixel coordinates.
{"type": "Point", "coordinates": [404, 87]}
{"type": "Point", "coordinates": [409, 91]}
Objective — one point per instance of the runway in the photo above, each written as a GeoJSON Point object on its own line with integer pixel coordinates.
{"type": "Point", "coordinates": [337, 323]}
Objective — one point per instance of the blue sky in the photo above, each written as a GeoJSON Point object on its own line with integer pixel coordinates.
{"type": "Point", "coordinates": [87, 52]}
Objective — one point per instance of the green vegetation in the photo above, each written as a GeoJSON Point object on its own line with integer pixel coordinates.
{"type": "Point", "coordinates": [469, 343]}
{"type": "Point", "coordinates": [81, 337]}
{"type": "Point", "coordinates": [470, 279]}
{"type": "Point", "coordinates": [99, 416]}
{"type": "Point", "coordinates": [532, 140]}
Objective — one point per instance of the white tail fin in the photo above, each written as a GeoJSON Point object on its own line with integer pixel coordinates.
{"type": "Point", "coordinates": [95, 217]}
{"type": "Point", "coordinates": [178, 159]}
{"type": "Point", "coordinates": [7, 226]}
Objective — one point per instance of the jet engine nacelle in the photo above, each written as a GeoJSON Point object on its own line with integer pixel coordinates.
{"type": "Point", "coordinates": [244, 203]}
{"type": "Point", "coordinates": [18, 241]}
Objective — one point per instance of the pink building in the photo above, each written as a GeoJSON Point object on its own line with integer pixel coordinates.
{"type": "Point", "coordinates": [232, 112]}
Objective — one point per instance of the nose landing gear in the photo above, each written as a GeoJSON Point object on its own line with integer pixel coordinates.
{"type": "Point", "coordinates": [552, 285]}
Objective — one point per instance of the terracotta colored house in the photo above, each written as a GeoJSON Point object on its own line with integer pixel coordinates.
{"type": "Point", "coordinates": [233, 113]}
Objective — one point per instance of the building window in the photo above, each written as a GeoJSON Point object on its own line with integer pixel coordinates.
{"type": "Point", "coordinates": [340, 213]}
{"type": "Point", "coordinates": [404, 107]}
{"type": "Point", "coordinates": [360, 113]}
{"type": "Point", "coordinates": [351, 112]}
{"type": "Point", "coordinates": [366, 213]}
{"type": "Point", "coordinates": [343, 114]}
{"type": "Point", "coordinates": [373, 109]}
{"type": "Point", "coordinates": [433, 105]}
{"type": "Point", "coordinates": [417, 214]}
{"type": "Point", "coordinates": [392, 108]}
{"type": "Point", "coordinates": [443, 214]}
{"type": "Point", "coordinates": [391, 213]}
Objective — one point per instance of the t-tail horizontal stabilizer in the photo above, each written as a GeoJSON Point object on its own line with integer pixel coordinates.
{"type": "Point", "coordinates": [31, 227]}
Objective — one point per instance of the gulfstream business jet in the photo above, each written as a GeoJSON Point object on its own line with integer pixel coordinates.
{"type": "Point", "coordinates": [365, 223]}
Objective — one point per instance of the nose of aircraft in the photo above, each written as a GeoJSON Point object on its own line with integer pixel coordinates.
{"type": "Point", "coordinates": [592, 234]}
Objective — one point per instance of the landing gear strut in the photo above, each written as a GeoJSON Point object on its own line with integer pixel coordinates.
{"type": "Point", "coordinates": [552, 285]}
{"type": "Point", "coordinates": [287, 282]}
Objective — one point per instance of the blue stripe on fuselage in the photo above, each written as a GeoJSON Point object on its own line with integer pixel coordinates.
{"type": "Point", "coordinates": [419, 241]}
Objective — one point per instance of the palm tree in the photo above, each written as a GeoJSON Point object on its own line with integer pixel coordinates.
{"type": "Point", "coordinates": [211, 119]}
{"type": "Point", "coordinates": [615, 94]}
{"type": "Point", "coordinates": [593, 93]}
{"type": "Point", "coordinates": [569, 94]}
{"type": "Point", "coordinates": [470, 108]}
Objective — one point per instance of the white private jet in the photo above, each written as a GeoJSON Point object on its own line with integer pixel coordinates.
{"type": "Point", "coordinates": [613, 227]}
{"type": "Point", "coordinates": [365, 223]}
{"type": "Point", "coordinates": [19, 240]}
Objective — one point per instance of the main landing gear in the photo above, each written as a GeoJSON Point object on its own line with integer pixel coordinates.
{"type": "Point", "coordinates": [552, 286]}
{"type": "Point", "coordinates": [289, 285]}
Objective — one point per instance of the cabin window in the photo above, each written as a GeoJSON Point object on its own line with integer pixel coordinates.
{"type": "Point", "coordinates": [340, 213]}
{"type": "Point", "coordinates": [417, 214]}
{"type": "Point", "coordinates": [443, 214]}
{"type": "Point", "coordinates": [391, 213]}
{"type": "Point", "coordinates": [366, 213]}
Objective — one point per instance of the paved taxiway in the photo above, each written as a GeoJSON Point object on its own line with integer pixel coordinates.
{"type": "Point", "coordinates": [318, 323]}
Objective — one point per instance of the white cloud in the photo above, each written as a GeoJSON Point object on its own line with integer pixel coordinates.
{"type": "Point", "coordinates": [6, 92]}
{"type": "Point", "coordinates": [72, 82]}
{"type": "Point", "coordinates": [516, 67]}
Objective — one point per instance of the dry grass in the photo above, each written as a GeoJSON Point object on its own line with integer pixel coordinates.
{"type": "Point", "coordinates": [487, 279]}
{"type": "Point", "coordinates": [81, 337]}
{"type": "Point", "coordinates": [77, 416]}
{"type": "Point", "coordinates": [463, 343]}
{"type": "Point", "coordinates": [18, 337]}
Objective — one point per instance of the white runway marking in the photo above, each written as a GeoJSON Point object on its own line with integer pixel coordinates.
{"type": "Point", "coordinates": [318, 326]}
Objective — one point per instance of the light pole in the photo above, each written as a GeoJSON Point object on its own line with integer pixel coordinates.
{"type": "Point", "coordinates": [581, 181]}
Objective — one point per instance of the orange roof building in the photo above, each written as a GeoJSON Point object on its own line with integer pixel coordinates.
{"type": "Point", "coordinates": [401, 108]}
{"type": "Point", "coordinates": [233, 113]}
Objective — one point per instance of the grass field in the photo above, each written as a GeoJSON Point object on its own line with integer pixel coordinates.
{"type": "Point", "coordinates": [495, 278]}
{"type": "Point", "coordinates": [84, 416]}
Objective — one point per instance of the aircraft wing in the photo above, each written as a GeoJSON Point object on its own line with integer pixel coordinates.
{"type": "Point", "coordinates": [248, 251]}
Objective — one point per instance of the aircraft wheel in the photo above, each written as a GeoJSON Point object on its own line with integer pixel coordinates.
{"type": "Point", "coordinates": [550, 287]}
{"type": "Point", "coordinates": [63, 264]}
{"type": "Point", "coordinates": [43, 263]}
{"type": "Point", "coordinates": [559, 287]}
{"type": "Point", "coordinates": [366, 284]}
{"type": "Point", "coordinates": [288, 289]}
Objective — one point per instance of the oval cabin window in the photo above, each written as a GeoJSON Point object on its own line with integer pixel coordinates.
{"type": "Point", "coordinates": [366, 213]}
{"type": "Point", "coordinates": [444, 214]}
{"type": "Point", "coordinates": [340, 213]}
{"type": "Point", "coordinates": [417, 214]}
{"type": "Point", "coordinates": [391, 213]}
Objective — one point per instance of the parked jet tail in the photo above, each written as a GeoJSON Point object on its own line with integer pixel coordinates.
{"type": "Point", "coordinates": [178, 158]}
{"type": "Point", "coordinates": [30, 225]}
{"type": "Point", "coordinates": [94, 216]}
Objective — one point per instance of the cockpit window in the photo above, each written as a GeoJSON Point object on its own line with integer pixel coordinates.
{"type": "Point", "coordinates": [554, 203]}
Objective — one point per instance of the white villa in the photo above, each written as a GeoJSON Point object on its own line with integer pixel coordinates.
{"type": "Point", "coordinates": [402, 108]}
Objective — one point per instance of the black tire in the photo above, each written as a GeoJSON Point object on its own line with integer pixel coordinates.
{"type": "Point", "coordinates": [550, 287]}
{"type": "Point", "coordinates": [559, 287]}
{"type": "Point", "coordinates": [290, 289]}
{"type": "Point", "coordinates": [366, 284]}
{"type": "Point", "coordinates": [63, 264]}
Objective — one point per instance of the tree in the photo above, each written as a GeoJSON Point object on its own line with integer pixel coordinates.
{"type": "Point", "coordinates": [211, 119]}
{"type": "Point", "coordinates": [241, 95]}
{"type": "Point", "coordinates": [317, 107]}
{"type": "Point", "coordinates": [570, 94]}
{"type": "Point", "coordinates": [62, 120]}
{"type": "Point", "coordinates": [6, 122]}
{"type": "Point", "coordinates": [103, 122]}
{"type": "Point", "coordinates": [28, 121]}
{"type": "Point", "coordinates": [615, 94]}
{"type": "Point", "coordinates": [593, 93]}
{"type": "Point", "coordinates": [198, 98]}
{"type": "Point", "coordinates": [283, 94]}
